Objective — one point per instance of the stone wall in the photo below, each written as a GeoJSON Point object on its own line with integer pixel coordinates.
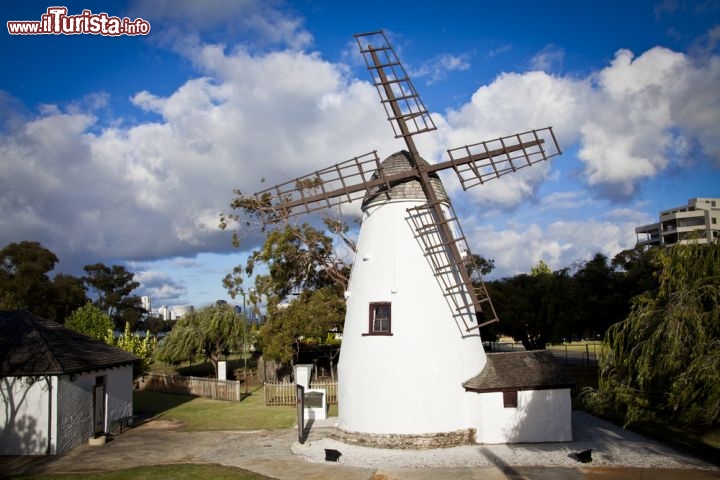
{"type": "Point", "coordinates": [407, 441]}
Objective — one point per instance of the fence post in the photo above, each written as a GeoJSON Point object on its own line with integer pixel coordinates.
{"type": "Point", "coordinates": [587, 354]}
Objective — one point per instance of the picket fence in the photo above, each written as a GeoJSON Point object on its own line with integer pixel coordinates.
{"type": "Point", "coordinates": [197, 386]}
{"type": "Point", "coordinates": [284, 393]}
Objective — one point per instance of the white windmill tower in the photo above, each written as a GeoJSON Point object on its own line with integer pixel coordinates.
{"type": "Point", "coordinates": [411, 335]}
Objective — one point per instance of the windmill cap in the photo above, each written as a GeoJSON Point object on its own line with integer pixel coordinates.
{"type": "Point", "coordinates": [404, 189]}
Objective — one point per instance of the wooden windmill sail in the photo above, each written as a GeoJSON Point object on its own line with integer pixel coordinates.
{"type": "Point", "coordinates": [435, 223]}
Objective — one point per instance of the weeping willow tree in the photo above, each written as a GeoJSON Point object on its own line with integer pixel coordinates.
{"type": "Point", "coordinates": [663, 361]}
{"type": "Point", "coordinates": [212, 332]}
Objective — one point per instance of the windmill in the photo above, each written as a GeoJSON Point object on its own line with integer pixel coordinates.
{"type": "Point", "coordinates": [414, 309]}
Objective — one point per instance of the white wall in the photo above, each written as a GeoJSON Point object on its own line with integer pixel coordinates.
{"type": "Point", "coordinates": [25, 423]}
{"type": "Point", "coordinates": [410, 382]}
{"type": "Point", "coordinates": [75, 404]}
{"type": "Point", "coordinates": [541, 416]}
{"type": "Point", "coordinates": [119, 388]}
{"type": "Point", "coordinates": [75, 410]}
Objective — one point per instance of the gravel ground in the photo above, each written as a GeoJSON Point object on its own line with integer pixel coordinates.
{"type": "Point", "coordinates": [611, 447]}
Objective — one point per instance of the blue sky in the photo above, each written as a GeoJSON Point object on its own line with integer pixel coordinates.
{"type": "Point", "coordinates": [126, 149]}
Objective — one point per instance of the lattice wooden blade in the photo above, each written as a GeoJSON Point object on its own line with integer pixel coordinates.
{"type": "Point", "coordinates": [329, 187]}
{"type": "Point", "coordinates": [478, 163]}
{"type": "Point", "coordinates": [467, 299]}
{"type": "Point", "coordinates": [404, 108]}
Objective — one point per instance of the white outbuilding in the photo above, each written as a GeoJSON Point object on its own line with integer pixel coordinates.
{"type": "Point", "coordinates": [58, 387]}
{"type": "Point", "coordinates": [521, 397]}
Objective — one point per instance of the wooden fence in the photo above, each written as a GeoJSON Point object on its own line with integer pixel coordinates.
{"type": "Point", "coordinates": [284, 393]}
{"type": "Point", "coordinates": [197, 386]}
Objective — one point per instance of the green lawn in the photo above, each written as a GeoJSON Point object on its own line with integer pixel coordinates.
{"type": "Point", "coordinates": [199, 368]}
{"type": "Point", "coordinates": [198, 414]}
{"type": "Point", "coordinates": [164, 472]}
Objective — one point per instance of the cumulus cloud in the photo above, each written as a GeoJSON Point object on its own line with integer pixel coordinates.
{"type": "Point", "coordinates": [158, 285]}
{"type": "Point", "coordinates": [110, 190]}
{"type": "Point", "coordinates": [633, 119]}
{"type": "Point", "coordinates": [516, 247]}
{"type": "Point", "coordinates": [155, 189]}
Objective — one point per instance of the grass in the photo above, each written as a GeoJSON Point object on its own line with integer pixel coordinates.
{"type": "Point", "coordinates": [200, 368]}
{"type": "Point", "coordinates": [579, 346]}
{"type": "Point", "coordinates": [203, 414]}
{"type": "Point", "coordinates": [163, 472]}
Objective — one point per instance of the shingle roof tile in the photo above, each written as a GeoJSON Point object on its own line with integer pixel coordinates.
{"type": "Point", "coordinates": [32, 345]}
{"type": "Point", "coordinates": [524, 370]}
{"type": "Point", "coordinates": [408, 189]}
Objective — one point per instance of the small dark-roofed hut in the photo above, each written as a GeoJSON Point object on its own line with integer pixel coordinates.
{"type": "Point", "coordinates": [522, 397]}
{"type": "Point", "coordinates": [59, 387]}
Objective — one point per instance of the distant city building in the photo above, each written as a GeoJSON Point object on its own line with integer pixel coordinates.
{"type": "Point", "coordinates": [698, 221]}
{"type": "Point", "coordinates": [173, 313]}
{"type": "Point", "coordinates": [146, 303]}
{"type": "Point", "coordinates": [165, 313]}
{"type": "Point", "coordinates": [181, 310]}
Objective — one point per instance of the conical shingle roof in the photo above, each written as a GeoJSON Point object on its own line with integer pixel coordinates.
{"type": "Point", "coordinates": [408, 189]}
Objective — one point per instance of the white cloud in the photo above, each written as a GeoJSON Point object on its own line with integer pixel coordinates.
{"type": "Point", "coordinates": [159, 286]}
{"type": "Point", "coordinates": [154, 189]}
{"type": "Point", "coordinates": [260, 22]}
{"type": "Point", "coordinates": [633, 119]}
{"type": "Point", "coordinates": [437, 68]}
{"type": "Point", "coordinates": [517, 247]}
{"type": "Point", "coordinates": [548, 59]}
{"type": "Point", "coordinates": [648, 109]}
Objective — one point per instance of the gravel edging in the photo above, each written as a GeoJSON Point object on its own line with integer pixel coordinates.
{"type": "Point", "coordinates": [611, 446]}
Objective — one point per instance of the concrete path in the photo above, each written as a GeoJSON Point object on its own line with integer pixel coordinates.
{"type": "Point", "coordinates": [270, 453]}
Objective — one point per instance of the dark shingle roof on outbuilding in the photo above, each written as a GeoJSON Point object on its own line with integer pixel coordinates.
{"type": "Point", "coordinates": [524, 370]}
{"type": "Point", "coordinates": [32, 345]}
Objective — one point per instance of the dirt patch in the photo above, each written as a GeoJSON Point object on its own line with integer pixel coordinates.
{"type": "Point", "coordinates": [162, 424]}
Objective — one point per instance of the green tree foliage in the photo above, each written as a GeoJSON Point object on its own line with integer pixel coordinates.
{"type": "Point", "coordinates": [601, 301]}
{"type": "Point", "coordinates": [210, 333]}
{"type": "Point", "coordinates": [113, 287]}
{"type": "Point", "coordinates": [91, 321]}
{"type": "Point", "coordinates": [541, 268]}
{"type": "Point", "coordinates": [142, 346]}
{"type": "Point", "coordinates": [307, 319]}
{"type": "Point", "coordinates": [69, 295]}
{"type": "Point", "coordinates": [297, 257]}
{"type": "Point", "coordinates": [664, 359]}
{"type": "Point", "coordinates": [534, 309]}
{"type": "Point", "coordinates": [24, 281]}
{"type": "Point", "coordinates": [302, 262]}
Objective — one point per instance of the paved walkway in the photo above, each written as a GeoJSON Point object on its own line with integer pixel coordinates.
{"type": "Point", "coordinates": [276, 454]}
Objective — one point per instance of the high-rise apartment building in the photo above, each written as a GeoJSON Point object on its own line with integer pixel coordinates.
{"type": "Point", "coordinates": [146, 303]}
{"type": "Point", "coordinates": [698, 221]}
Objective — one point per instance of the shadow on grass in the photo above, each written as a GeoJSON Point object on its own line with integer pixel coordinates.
{"type": "Point", "coordinates": [149, 404]}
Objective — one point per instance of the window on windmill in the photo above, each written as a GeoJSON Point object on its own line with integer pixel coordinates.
{"type": "Point", "coordinates": [510, 399]}
{"type": "Point", "coordinates": [380, 318]}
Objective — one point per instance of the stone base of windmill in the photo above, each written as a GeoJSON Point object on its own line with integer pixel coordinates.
{"type": "Point", "coordinates": [407, 441]}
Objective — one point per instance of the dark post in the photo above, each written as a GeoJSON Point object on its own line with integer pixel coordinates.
{"type": "Point", "coordinates": [300, 394]}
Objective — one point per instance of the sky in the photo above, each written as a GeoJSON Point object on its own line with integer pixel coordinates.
{"type": "Point", "coordinates": [125, 149]}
